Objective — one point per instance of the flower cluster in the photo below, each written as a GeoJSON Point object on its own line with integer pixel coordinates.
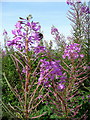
{"type": "Point", "coordinates": [83, 8]}
{"type": "Point", "coordinates": [25, 29]}
{"type": "Point", "coordinates": [55, 32]}
{"type": "Point", "coordinates": [72, 51]}
{"type": "Point", "coordinates": [39, 49]}
{"type": "Point", "coordinates": [50, 70]}
{"type": "Point", "coordinates": [71, 2]}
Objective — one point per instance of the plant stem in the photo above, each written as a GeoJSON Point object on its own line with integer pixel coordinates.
{"type": "Point", "coordinates": [27, 78]}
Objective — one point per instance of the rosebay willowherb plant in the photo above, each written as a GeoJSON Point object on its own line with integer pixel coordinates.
{"type": "Point", "coordinates": [62, 82]}
{"type": "Point", "coordinates": [79, 15]}
{"type": "Point", "coordinates": [26, 41]}
{"type": "Point", "coordinates": [65, 94]}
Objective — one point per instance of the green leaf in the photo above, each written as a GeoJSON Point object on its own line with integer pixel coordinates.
{"type": "Point", "coordinates": [7, 109]}
{"type": "Point", "coordinates": [10, 85]}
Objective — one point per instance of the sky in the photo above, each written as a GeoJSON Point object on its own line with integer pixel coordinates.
{"type": "Point", "coordinates": [46, 13]}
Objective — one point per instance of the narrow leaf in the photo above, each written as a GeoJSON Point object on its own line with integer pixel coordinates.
{"type": "Point", "coordinates": [14, 92]}
{"type": "Point", "coordinates": [7, 109]}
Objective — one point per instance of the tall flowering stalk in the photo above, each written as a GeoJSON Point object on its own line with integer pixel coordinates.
{"type": "Point", "coordinates": [63, 81]}
{"type": "Point", "coordinates": [59, 39]}
{"type": "Point", "coordinates": [64, 91]}
{"type": "Point", "coordinates": [77, 71]}
{"type": "Point", "coordinates": [79, 15]}
{"type": "Point", "coordinates": [26, 41]}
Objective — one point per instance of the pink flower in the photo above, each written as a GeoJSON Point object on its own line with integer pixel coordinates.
{"type": "Point", "coordinates": [61, 86]}
{"type": "Point", "coordinates": [69, 2]}
{"type": "Point", "coordinates": [18, 25]}
{"type": "Point", "coordinates": [35, 26]}
{"type": "Point", "coordinates": [72, 51]}
{"type": "Point", "coordinates": [24, 70]}
{"type": "Point", "coordinates": [81, 55]}
{"type": "Point", "coordinates": [14, 32]}
{"type": "Point", "coordinates": [14, 41]}
{"type": "Point", "coordinates": [39, 49]}
{"type": "Point", "coordinates": [54, 30]}
{"type": "Point", "coordinates": [5, 32]}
